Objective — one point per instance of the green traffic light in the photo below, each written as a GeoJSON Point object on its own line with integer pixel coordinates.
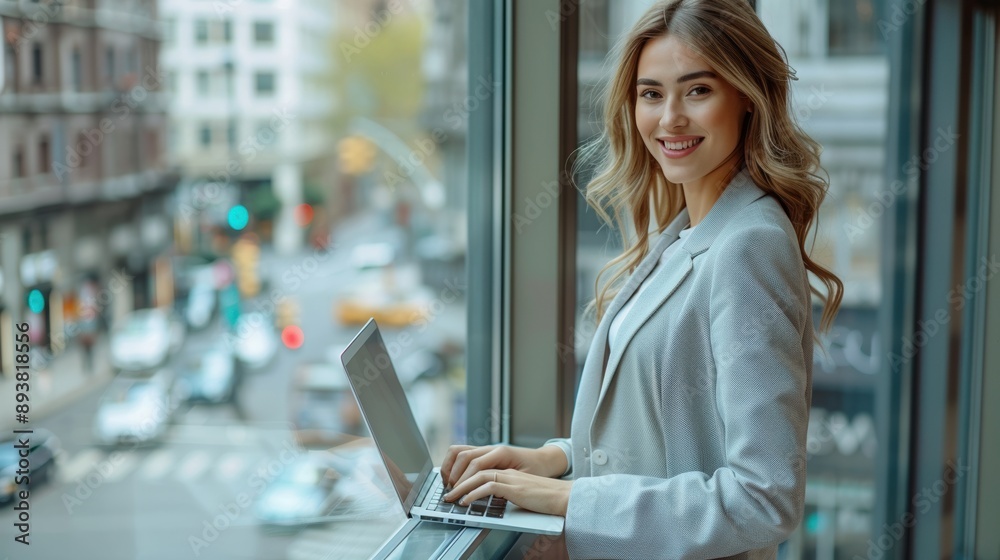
{"type": "Point", "coordinates": [238, 217]}
{"type": "Point", "coordinates": [36, 301]}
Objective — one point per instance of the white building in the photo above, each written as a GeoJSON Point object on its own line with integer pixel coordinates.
{"type": "Point", "coordinates": [249, 107]}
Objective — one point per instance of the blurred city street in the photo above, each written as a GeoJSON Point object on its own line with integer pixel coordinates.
{"type": "Point", "coordinates": [161, 494]}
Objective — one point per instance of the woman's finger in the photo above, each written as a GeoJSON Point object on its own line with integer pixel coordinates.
{"type": "Point", "coordinates": [478, 481]}
{"type": "Point", "coordinates": [462, 460]}
{"type": "Point", "coordinates": [490, 458]}
{"type": "Point", "coordinates": [449, 462]}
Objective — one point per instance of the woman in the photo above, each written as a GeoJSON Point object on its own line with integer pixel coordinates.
{"type": "Point", "coordinates": [689, 432]}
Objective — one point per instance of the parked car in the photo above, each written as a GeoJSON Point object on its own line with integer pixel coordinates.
{"type": "Point", "coordinates": [145, 339]}
{"type": "Point", "coordinates": [210, 376]}
{"type": "Point", "coordinates": [137, 408]}
{"type": "Point", "coordinates": [43, 448]}
{"type": "Point", "coordinates": [303, 493]}
{"type": "Point", "coordinates": [254, 342]}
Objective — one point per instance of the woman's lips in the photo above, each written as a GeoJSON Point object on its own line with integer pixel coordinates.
{"type": "Point", "coordinates": [674, 154]}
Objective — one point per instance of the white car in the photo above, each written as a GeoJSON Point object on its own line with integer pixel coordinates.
{"type": "Point", "coordinates": [200, 305]}
{"type": "Point", "coordinates": [253, 341]}
{"type": "Point", "coordinates": [136, 409]}
{"type": "Point", "coordinates": [145, 339]}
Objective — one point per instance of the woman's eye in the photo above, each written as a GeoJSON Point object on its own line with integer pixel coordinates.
{"type": "Point", "coordinates": [700, 90]}
{"type": "Point", "coordinates": [648, 91]}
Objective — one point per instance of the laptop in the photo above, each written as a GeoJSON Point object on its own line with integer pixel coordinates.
{"type": "Point", "coordinates": [404, 451]}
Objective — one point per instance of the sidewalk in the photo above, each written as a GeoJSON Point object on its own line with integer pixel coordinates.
{"type": "Point", "coordinates": [55, 385]}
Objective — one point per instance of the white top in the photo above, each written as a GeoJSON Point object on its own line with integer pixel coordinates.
{"type": "Point", "coordinates": [620, 317]}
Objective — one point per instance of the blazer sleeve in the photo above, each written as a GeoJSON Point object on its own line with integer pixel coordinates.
{"type": "Point", "coordinates": [758, 315]}
{"type": "Point", "coordinates": [567, 448]}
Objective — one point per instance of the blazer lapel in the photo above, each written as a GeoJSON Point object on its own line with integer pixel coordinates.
{"type": "Point", "coordinates": [677, 269]}
{"type": "Point", "coordinates": [740, 192]}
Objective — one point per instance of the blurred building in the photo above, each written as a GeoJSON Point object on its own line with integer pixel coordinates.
{"type": "Point", "coordinates": [82, 174]}
{"type": "Point", "coordinates": [249, 110]}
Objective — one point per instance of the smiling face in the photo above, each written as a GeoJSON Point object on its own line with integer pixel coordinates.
{"type": "Point", "coordinates": [688, 116]}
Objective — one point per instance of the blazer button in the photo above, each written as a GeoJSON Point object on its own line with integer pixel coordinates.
{"type": "Point", "coordinates": [600, 457]}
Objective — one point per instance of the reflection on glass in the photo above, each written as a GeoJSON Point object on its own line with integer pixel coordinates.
{"type": "Point", "coordinates": [269, 177]}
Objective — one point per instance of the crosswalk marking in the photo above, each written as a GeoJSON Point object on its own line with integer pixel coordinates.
{"type": "Point", "coordinates": [122, 466]}
{"type": "Point", "coordinates": [156, 465]}
{"type": "Point", "coordinates": [230, 466]}
{"type": "Point", "coordinates": [195, 463]}
{"type": "Point", "coordinates": [204, 465]}
{"type": "Point", "coordinates": [74, 469]}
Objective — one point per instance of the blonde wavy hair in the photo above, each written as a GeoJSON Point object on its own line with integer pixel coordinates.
{"type": "Point", "coordinates": [779, 156]}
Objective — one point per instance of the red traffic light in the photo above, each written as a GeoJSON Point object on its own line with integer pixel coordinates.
{"type": "Point", "coordinates": [292, 337]}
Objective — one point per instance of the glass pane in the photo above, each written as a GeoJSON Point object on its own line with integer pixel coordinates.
{"type": "Point", "coordinates": [186, 302]}
{"type": "Point", "coordinates": [844, 107]}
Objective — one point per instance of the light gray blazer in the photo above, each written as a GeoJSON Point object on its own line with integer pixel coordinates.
{"type": "Point", "coordinates": [693, 444]}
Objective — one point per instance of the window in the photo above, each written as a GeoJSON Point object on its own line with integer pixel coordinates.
{"type": "Point", "coordinates": [85, 149]}
{"type": "Point", "coordinates": [258, 188]}
{"type": "Point", "coordinates": [227, 31]}
{"type": "Point", "coordinates": [44, 155]}
{"type": "Point", "coordinates": [18, 164]}
{"type": "Point", "coordinates": [200, 32]}
{"type": "Point", "coordinates": [205, 135]}
{"type": "Point", "coordinates": [264, 83]}
{"type": "Point", "coordinates": [203, 82]}
{"type": "Point", "coordinates": [854, 27]}
{"type": "Point", "coordinates": [132, 60]}
{"type": "Point", "coordinates": [263, 33]}
{"type": "Point", "coordinates": [109, 66]}
{"type": "Point", "coordinates": [76, 72]}
{"type": "Point", "coordinates": [9, 76]}
{"type": "Point", "coordinates": [37, 74]}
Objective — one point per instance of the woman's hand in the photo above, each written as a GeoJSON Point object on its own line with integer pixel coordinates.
{"type": "Point", "coordinates": [537, 493]}
{"type": "Point", "coordinates": [464, 461]}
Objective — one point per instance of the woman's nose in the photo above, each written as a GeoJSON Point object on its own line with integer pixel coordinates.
{"type": "Point", "coordinates": [673, 116]}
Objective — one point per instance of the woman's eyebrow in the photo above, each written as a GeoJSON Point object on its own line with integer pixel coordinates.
{"type": "Point", "coordinates": [681, 80]}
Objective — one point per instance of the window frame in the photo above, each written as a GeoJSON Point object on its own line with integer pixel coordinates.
{"type": "Point", "coordinates": [538, 377]}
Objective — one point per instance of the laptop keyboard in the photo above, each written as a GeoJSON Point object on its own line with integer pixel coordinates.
{"type": "Point", "coordinates": [490, 506]}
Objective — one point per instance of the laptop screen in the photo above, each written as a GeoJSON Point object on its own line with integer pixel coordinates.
{"type": "Point", "coordinates": [387, 413]}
